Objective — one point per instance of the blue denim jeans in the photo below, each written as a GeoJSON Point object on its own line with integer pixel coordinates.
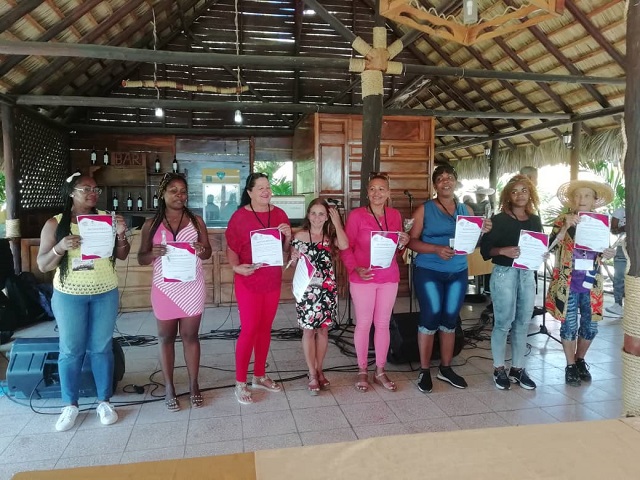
{"type": "Point", "coordinates": [440, 295]}
{"type": "Point", "coordinates": [619, 267]}
{"type": "Point", "coordinates": [513, 292]}
{"type": "Point", "coordinates": [588, 328]}
{"type": "Point", "coordinates": [85, 325]}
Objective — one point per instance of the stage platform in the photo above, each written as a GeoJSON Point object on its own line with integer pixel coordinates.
{"type": "Point", "coordinates": [575, 450]}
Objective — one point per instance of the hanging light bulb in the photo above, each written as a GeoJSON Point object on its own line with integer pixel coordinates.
{"type": "Point", "coordinates": [237, 117]}
{"type": "Point", "coordinates": [487, 152]}
{"type": "Point", "coordinates": [567, 139]}
{"type": "Point", "coordinates": [159, 112]}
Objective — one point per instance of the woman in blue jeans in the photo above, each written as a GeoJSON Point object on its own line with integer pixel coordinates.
{"type": "Point", "coordinates": [513, 289]}
{"type": "Point", "coordinates": [85, 299]}
{"type": "Point", "coordinates": [441, 277]}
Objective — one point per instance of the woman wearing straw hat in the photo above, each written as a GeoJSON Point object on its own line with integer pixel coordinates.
{"type": "Point", "coordinates": [574, 289]}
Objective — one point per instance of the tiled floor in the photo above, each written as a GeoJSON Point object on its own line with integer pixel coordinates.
{"type": "Point", "coordinates": [148, 431]}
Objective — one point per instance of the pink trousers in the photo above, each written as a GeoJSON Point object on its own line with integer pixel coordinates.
{"type": "Point", "coordinates": [373, 304]}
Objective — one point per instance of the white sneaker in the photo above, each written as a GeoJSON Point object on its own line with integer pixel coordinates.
{"type": "Point", "coordinates": [106, 413]}
{"type": "Point", "coordinates": [615, 310]}
{"type": "Point", "coordinates": [67, 418]}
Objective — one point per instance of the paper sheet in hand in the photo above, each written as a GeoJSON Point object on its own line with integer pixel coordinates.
{"type": "Point", "coordinates": [302, 277]}
{"type": "Point", "coordinates": [533, 246]}
{"type": "Point", "coordinates": [97, 233]}
{"type": "Point", "coordinates": [266, 247]}
{"type": "Point", "coordinates": [179, 264]}
{"type": "Point", "coordinates": [468, 229]}
{"type": "Point", "coordinates": [592, 232]}
{"type": "Point", "coordinates": [383, 248]}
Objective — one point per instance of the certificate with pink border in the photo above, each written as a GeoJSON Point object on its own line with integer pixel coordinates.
{"type": "Point", "coordinates": [266, 247]}
{"type": "Point", "coordinates": [97, 236]}
{"type": "Point", "coordinates": [592, 231]}
{"type": "Point", "coordinates": [533, 247]}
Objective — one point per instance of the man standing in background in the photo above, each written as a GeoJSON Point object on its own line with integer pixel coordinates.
{"type": "Point", "coordinates": [618, 226]}
{"type": "Point", "coordinates": [531, 173]}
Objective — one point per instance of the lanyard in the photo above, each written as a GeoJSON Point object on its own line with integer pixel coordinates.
{"type": "Point", "coordinates": [258, 218]}
{"type": "Point", "coordinates": [384, 211]}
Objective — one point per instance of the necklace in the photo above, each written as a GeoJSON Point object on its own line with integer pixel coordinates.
{"type": "Point", "coordinates": [513, 215]}
{"type": "Point", "coordinates": [384, 212]}
{"type": "Point", "coordinates": [258, 218]}
{"type": "Point", "coordinates": [455, 207]}
{"type": "Point", "coordinates": [174, 233]}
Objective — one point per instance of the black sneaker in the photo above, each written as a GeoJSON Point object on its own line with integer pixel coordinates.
{"type": "Point", "coordinates": [583, 370]}
{"type": "Point", "coordinates": [519, 375]}
{"type": "Point", "coordinates": [571, 376]}
{"type": "Point", "coordinates": [500, 379]}
{"type": "Point", "coordinates": [425, 385]}
{"type": "Point", "coordinates": [447, 374]}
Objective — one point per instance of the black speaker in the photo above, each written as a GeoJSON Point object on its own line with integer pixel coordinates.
{"type": "Point", "coordinates": [404, 339]}
{"type": "Point", "coordinates": [33, 369]}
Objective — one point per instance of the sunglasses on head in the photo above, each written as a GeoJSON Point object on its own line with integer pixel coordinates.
{"type": "Point", "coordinates": [378, 175]}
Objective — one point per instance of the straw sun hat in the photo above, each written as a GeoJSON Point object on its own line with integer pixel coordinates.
{"type": "Point", "coordinates": [604, 193]}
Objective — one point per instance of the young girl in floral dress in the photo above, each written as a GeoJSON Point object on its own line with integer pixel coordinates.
{"type": "Point", "coordinates": [321, 233]}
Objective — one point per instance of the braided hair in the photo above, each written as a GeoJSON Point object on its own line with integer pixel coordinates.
{"type": "Point", "coordinates": [162, 207]}
{"type": "Point", "coordinates": [64, 225]}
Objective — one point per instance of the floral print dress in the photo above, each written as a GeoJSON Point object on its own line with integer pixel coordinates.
{"type": "Point", "coordinates": [318, 306]}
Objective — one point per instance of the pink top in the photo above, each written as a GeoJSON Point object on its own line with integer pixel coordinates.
{"type": "Point", "coordinates": [359, 226]}
{"type": "Point", "coordinates": [172, 300]}
{"type": "Point", "coordinates": [241, 224]}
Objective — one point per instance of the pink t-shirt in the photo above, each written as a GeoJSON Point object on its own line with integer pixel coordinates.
{"type": "Point", "coordinates": [241, 223]}
{"type": "Point", "coordinates": [359, 226]}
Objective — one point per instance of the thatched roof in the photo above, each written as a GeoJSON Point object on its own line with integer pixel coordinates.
{"type": "Point", "coordinates": [586, 39]}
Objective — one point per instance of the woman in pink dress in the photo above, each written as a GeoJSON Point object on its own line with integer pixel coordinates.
{"type": "Point", "coordinates": [176, 304]}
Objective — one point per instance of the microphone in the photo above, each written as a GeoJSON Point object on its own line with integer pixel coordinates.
{"type": "Point", "coordinates": [408, 193]}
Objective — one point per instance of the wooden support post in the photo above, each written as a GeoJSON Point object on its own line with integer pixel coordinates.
{"type": "Point", "coordinates": [10, 177]}
{"type": "Point", "coordinates": [493, 170]}
{"type": "Point", "coordinates": [371, 133]}
{"type": "Point", "coordinates": [631, 321]}
{"type": "Point", "coordinates": [576, 140]}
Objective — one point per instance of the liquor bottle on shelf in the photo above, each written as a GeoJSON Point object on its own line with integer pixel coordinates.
{"type": "Point", "coordinates": [155, 200]}
{"type": "Point", "coordinates": [129, 202]}
{"type": "Point", "coordinates": [157, 165]}
{"type": "Point", "coordinates": [94, 156]}
{"type": "Point", "coordinates": [114, 202]}
{"type": "Point", "coordinates": [175, 165]}
{"type": "Point", "coordinates": [105, 156]}
{"type": "Point", "coordinates": [139, 202]}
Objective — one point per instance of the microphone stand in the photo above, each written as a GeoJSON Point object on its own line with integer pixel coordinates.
{"type": "Point", "coordinates": [406, 192]}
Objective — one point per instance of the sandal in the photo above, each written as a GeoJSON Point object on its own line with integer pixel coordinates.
{"type": "Point", "coordinates": [324, 383]}
{"type": "Point", "coordinates": [196, 400]}
{"type": "Point", "coordinates": [313, 386]}
{"type": "Point", "coordinates": [243, 394]}
{"type": "Point", "coordinates": [265, 383]}
{"type": "Point", "coordinates": [363, 381]}
{"type": "Point", "coordinates": [172, 404]}
{"type": "Point", "coordinates": [382, 380]}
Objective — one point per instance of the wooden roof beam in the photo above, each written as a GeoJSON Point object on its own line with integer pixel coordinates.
{"type": "Point", "coordinates": [106, 52]}
{"type": "Point", "coordinates": [206, 105]}
{"type": "Point", "coordinates": [605, 112]}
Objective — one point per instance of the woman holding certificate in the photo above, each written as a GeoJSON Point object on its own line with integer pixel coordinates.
{"type": "Point", "coordinates": [576, 284]}
{"type": "Point", "coordinates": [511, 280]}
{"type": "Point", "coordinates": [85, 295]}
{"type": "Point", "coordinates": [440, 278]}
{"type": "Point", "coordinates": [374, 232]}
{"type": "Point", "coordinates": [321, 233]}
{"type": "Point", "coordinates": [176, 241]}
{"type": "Point", "coordinates": [258, 235]}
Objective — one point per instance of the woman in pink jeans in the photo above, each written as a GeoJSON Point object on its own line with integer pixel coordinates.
{"type": "Point", "coordinates": [373, 291]}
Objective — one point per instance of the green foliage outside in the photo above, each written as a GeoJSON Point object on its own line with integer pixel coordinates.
{"type": "Point", "coordinates": [279, 185]}
{"type": "Point", "coordinates": [3, 193]}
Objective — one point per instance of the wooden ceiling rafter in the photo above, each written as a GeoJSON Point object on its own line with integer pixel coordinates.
{"type": "Point", "coordinates": [57, 64]}
{"type": "Point", "coordinates": [143, 43]}
{"type": "Point", "coordinates": [17, 12]}
{"type": "Point", "coordinates": [54, 31]}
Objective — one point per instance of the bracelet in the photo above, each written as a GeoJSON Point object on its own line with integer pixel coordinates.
{"type": "Point", "coordinates": [55, 252]}
{"type": "Point", "coordinates": [123, 238]}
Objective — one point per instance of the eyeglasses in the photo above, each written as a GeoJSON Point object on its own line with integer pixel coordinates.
{"type": "Point", "coordinates": [88, 190]}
